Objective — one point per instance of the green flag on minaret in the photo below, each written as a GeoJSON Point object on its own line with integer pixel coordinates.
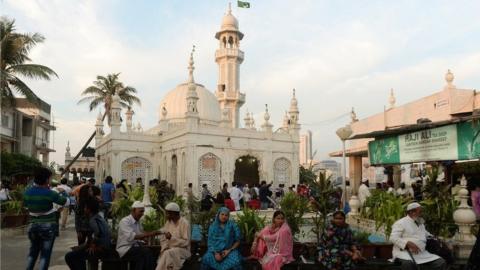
{"type": "Point", "coordinates": [242, 4]}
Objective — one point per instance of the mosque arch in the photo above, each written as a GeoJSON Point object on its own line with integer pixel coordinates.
{"type": "Point", "coordinates": [135, 167]}
{"type": "Point", "coordinates": [247, 170]}
{"type": "Point", "coordinates": [282, 169]}
{"type": "Point", "coordinates": [209, 171]}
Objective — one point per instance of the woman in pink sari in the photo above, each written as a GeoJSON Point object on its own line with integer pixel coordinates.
{"type": "Point", "coordinates": [274, 244]}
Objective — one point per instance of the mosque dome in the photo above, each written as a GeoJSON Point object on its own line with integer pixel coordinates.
{"type": "Point", "coordinates": [175, 103]}
{"type": "Point", "coordinates": [229, 22]}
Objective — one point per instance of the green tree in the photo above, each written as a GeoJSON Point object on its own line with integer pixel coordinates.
{"type": "Point", "coordinates": [13, 164]}
{"type": "Point", "coordinates": [14, 62]}
{"type": "Point", "coordinates": [102, 91]}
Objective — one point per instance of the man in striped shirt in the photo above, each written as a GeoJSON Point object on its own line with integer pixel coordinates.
{"type": "Point", "coordinates": [39, 200]}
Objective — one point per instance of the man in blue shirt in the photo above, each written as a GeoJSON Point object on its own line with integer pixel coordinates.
{"type": "Point", "coordinates": [108, 195]}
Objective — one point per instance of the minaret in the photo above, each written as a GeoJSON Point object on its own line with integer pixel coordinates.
{"type": "Point", "coordinates": [192, 111]}
{"type": "Point", "coordinates": [247, 120]}
{"type": "Point", "coordinates": [115, 111]}
{"type": "Point", "coordinates": [99, 129]}
{"type": "Point", "coordinates": [129, 115]}
{"type": "Point", "coordinates": [67, 151]}
{"type": "Point", "coordinates": [229, 57]}
{"type": "Point", "coordinates": [295, 126]}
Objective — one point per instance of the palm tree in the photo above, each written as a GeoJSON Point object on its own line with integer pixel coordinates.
{"type": "Point", "coordinates": [14, 63]}
{"type": "Point", "coordinates": [102, 91]}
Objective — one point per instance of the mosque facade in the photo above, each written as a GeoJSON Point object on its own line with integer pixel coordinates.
{"type": "Point", "coordinates": [199, 138]}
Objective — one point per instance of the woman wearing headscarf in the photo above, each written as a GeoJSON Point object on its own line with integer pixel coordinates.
{"type": "Point", "coordinates": [273, 246]}
{"type": "Point", "coordinates": [337, 249]}
{"type": "Point", "coordinates": [223, 241]}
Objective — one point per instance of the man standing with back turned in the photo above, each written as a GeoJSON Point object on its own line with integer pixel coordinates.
{"type": "Point", "coordinates": [39, 200]}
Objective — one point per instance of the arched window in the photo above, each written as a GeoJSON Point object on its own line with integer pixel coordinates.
{"type": "Point", "coordinates": [209, 172]}
{"type": "Point", "coordinates": [224, 42]}
{"type": "Point", "coordinates": [135, 167]}
{"type": "Point", "coordinates": [230, 42]}
{"type": "Point", "coordinates": [281, 171]}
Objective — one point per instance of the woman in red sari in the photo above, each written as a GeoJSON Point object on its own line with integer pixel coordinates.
{"type": "Point", "coordinates": [273, 246]}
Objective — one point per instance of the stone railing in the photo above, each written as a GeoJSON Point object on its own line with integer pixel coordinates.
{"type": "Point", "coordinates": [464, 217]}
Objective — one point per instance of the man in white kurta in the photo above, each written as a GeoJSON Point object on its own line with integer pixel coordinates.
{"type": "Point", "coordinates": [363, 191]}
{"type": "Point", "coordinates": [176, 245]}
{"type": "Point", "coordinates": [410, 236]}
{"type": "Point", "coordinates": [236, 194]}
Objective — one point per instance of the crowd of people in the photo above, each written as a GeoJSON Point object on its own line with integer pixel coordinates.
{"type": "Point", "coordinates": [48, 203]}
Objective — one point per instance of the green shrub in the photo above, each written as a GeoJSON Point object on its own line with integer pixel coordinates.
{"type": "Point", "coordinates": [153, 221]}
{"type": "Point", "coordinates": [385, 208]}
{"type": "Point", "coordinates": [249, 223]}
{"type": "Point", "coordinates": [294, 206]}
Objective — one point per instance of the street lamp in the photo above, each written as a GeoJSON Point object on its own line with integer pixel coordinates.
{"type": "Point", "coordinates": [344, 133]}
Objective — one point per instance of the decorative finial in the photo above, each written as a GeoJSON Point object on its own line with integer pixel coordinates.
{"type": "Point", "coordinates": [353, 115]}
{"type": "Point", "coordinates": [190, 66]}
{"type": "Point", "coordinates": [449, 78]}
{"type": "Point", "coordinates": [266, 116]}
{"type": "Point", "coordinates": [68, 146]}
{"type": "Point", "coordinates": [229, 8]}
{"type": "Point", "coordinates": [392, 98]}
{"type": "Point", "coordinates": [293, 92]}
{"type": "Point", "coordinates": [99, 116]}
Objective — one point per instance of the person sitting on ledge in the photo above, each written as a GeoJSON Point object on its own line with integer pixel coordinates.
{"type": "Point", "coordinates": [98, 246]}
{"type": "Point", "coordinates": [409, 238]}
{"type": "Point", "coordinates": [176, 246]}
{"type": "Point", "coordinates": [273, 246]}
{"type": "Point", "coordinates": [130, 244]}
{"type": "Point", "coordinates": [337, 249]}
{"type": "Point", "coordinates": [223, 242]}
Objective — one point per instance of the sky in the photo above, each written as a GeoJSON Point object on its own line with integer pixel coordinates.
{"type": "Point", "coordinates": [336, 54]}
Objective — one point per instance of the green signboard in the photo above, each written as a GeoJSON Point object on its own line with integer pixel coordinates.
{"type": "Point", "coordinates": [452, 142]}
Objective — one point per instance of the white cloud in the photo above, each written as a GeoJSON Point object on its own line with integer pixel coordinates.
{"type": "Point", "coordinates": [335, 56]}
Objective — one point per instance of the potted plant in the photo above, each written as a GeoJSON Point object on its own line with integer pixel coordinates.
{"type": "Point", "coordinates": [385, 208]}
{"type": "Point", "coordinates": [249, 223]}
{"type": "Point", "coordinates": [438, 206]}
{"type": "Point", "coordinates": [15, 214]}
{"type": "Point", "coordinates": [295, 206]}
{"type": "Point", "coordinates": [153, 221]}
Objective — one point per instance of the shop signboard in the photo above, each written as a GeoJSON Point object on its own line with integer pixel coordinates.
{"type": "Point", "coordinates": [451, 142]}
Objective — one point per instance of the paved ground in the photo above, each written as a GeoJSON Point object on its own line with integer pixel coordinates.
{"type": "Point", "coordinates": [14, 249]}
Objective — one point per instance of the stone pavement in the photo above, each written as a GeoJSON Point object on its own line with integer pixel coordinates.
{"type": "Point", "coordinates": [14, 248]}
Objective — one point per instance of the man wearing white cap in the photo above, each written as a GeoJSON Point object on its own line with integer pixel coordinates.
{"type": "Point", "coordinates": [409, 238]}
{"type": "Point", "coordinates": [176, 245]}
{"type": "Point", "coordinates": [130, 244]}
{"type": "Point", "coordinates": [363, 191]}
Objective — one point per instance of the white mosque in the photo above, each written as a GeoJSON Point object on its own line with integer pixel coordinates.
{"type": "Point", "coordinates": [199, 138]}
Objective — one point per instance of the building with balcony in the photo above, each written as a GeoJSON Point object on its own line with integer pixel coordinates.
{"type": "Point", "coordinates": [26, 128]}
